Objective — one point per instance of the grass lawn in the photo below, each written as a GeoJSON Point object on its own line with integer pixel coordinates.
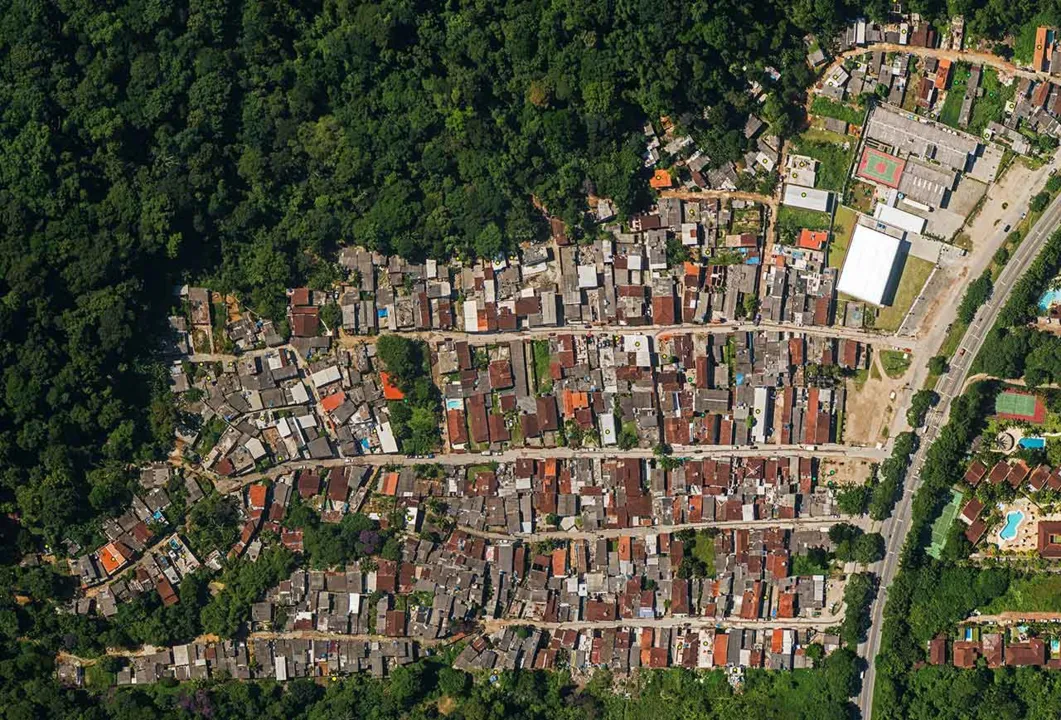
{"type": "Point", "coordinates": [1037, 593]}
{"type": "Point", "coordinates": [861, 375]}
{"type": "Point", "coordinates": [704, 551]}
{"type": "Point", "coordinates": [791, 220]}
{"type": "Point", "coordinates": [910, 96]}
{"type": "Point", "coordinates": [210, 434]}
{"type": "Point", "coordinates": [749, 219]}
{"type": "Point", "coordinates": [952, 106]}
{"type": "Point", "coordinates": [97, 677]}
{"type": "Point", "coordinates": [841, 111]}
{"type": "Point", "coordinates": [915, 273]}
{"type": "Point", "coordinates": [810, 219]}
{"type": "Point", "coordinates": [834, 160]}
{"type": "Point", "coordinates": [843, 226]}
{"type": "Point", "coordinates": [474, 470]}
{"type": "Point", "coordinates": [860, 196]}
{"type": "Point", "coordinates": [992, 104]}
{"type": "Point", "coordinates": [895, 363]}
{"type": "Point", "coordinates": [542, 362]}
{"type": "Point", "coordinates": [1024, 43]}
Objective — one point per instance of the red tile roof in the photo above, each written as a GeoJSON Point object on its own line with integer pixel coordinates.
{"type": "Point", "coordinates": [390, 390]}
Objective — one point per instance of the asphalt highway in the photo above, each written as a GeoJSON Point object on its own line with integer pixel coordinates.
{"type": "Point", "coordinates": [949, 387]}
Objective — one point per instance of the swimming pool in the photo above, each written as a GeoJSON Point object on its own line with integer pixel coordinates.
{"type": "Point", "coordinates": [1050, 297]}
{"type": "Point", "coordinates": [454, 404]}
{"type": "Point", "coordinates": [1013, 520]}
{"type": "Point", "coordinates": [1032, 443]}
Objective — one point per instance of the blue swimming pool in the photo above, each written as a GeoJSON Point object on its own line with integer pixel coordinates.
{"type": "Point", "coordinates": [1049, 298]}
{"type": "Point", "coordinates": [1032, 443]}
{"type": "Point", "coordinates": [1013, 521]}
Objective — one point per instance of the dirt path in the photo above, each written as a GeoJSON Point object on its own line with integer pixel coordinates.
{"type": "Point", "coordinates": [1019, 382]}
{"type": "Point", "coordinates": [1014, 618]}
{"type": "Point", "coordinates": [721, 195]}
{"type": "Point", "coordinates": [974, 57]}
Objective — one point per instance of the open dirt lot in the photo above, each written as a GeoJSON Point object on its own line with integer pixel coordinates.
{"type": "Point", "coordinates": [869, 411]}
{"type": "Point", "coordinates": [844, 471]}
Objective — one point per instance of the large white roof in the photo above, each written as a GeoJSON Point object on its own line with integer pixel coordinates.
{"type": "Point", "coordinates": [807, 198]}
{"type": "Point", "coordinates": [868, 265]}
{"type": "Point", "coordinates": [900, 218]}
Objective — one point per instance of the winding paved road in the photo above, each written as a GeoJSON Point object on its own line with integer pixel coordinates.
{"type": "Point", "coordinates": [949, 386]}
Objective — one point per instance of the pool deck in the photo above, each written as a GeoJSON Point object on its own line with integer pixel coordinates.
{"type": "Point", "coordinates": [1027, 529]}
{"type": "Point", "coordinates": [1014, 518]}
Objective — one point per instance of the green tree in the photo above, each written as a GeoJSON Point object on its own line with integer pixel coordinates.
{"type": "Point", "coordinates": [937, 364]}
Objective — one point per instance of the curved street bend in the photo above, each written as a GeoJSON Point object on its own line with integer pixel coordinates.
{"type": "Point", "coordinates": [949, 386]}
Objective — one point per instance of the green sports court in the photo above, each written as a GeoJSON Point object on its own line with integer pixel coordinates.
{"type": "Point", "coordinates": [1020, 406]}
{"type": "Point", "coordinates": [941, 527]}
{"type": "Point", "coordinates": [880, 167]}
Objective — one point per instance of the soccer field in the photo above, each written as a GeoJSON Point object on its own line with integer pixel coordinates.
{"type": "Point", "coordinates": [880, 167]}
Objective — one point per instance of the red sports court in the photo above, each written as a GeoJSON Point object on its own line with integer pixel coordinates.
{"type": "Point", "coordinates": [880, 167]}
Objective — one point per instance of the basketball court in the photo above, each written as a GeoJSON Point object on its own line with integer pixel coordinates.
{"type": "Point", "coordinates": [880, 167]}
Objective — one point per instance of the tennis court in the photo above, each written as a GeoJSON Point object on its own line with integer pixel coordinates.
{"type": "Point", "coordinates": [943, 523]}
{"type": "Point", "coordinates": [880, 167]}
{"type": "Point", "coordinates": [1019, 406]}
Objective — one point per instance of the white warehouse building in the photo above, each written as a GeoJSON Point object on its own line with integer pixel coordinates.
{"type": "Point", "coordinates": [869, 265]}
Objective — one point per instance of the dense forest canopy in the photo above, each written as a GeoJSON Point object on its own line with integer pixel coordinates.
{"type": "Point", "coordinates": [147, 143]}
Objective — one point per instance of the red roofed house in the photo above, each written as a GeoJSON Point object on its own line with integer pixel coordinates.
{"type": "Point", "coordinates": [976, 472]}
{"type": "Point", "coordinates": [661, 180]}
{"type": "Point", "coordinates": [720, 649]}
{"type": "Point", "coordinates": [1049, 539]}
{"type": "Point", "coordinates": [965, 653]}
{"type": "Point", "coordinates": [937, 651]}
{"type": "Point", "coordinates": [1030, 653]}
{"type": "Point", "coordinates": [975, 531]}
{"type": "Point", "coordinates": [390, 390]}
{"type": "Point", "coordinates": [457, 429]}
{"type": "Point", "coordinates": [971, 511]}
{"type": "Point", "coordinates": [1039, 54]}
{"type": "Point", "coordinates": [256, 496]}
{"type": "Point", "coordinates": [812, 239]}
{"type": "Point", "coordinates": [112, 558]}
{"type": "Point", "coordinates": [331, 402]}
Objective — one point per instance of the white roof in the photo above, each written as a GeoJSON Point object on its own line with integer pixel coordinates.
{"type": "Point", "coordinates": [386, 439]}
{"type": "Point", "coordinates": [587, 276]}
{"type": "Point", "coordinates": [868, 265]}
{"type": "Point", "coordinates": [899, 218]}
{"type": "Point", "coordinates": [471, 316]}
{"type": "Point", "coordinates": [807, 198]}
{"type": "Point", "coordinates": [635, 343]}
{"type": "Point", "coordinates": [255, 448]}
{"type": "Point", "coordinates": [690, 234]}
{"type": "Point", "coordinates": [326, 376]}
{"type": "Point", "coordinates": [607, 426]}
{"type": "Point", "coordinates": [299, 394]}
